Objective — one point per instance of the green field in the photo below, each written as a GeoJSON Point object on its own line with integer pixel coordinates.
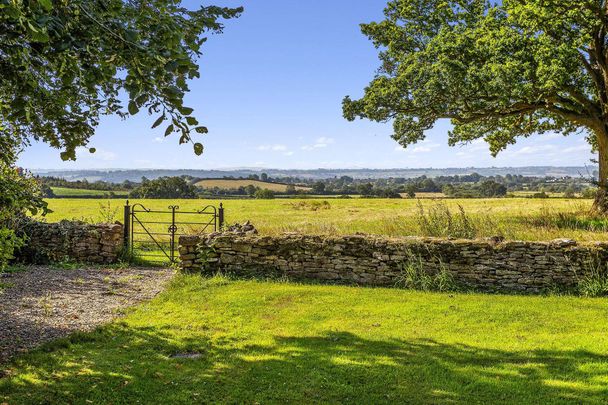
{"type": "Point", "coordinates": [513, 218]}
{"type": "Point", "coordinates": [267, 342]}
{"type": "Point", "coordinates": [234, 184]}
{"type": "Point", "coordinates": [78, 192]}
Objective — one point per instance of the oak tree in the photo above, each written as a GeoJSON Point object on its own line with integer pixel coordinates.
{"type": "Point", "coordinates": [498, 71]}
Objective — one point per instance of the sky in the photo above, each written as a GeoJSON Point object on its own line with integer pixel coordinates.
{"type": "Point", "coordinates": [270, 93]}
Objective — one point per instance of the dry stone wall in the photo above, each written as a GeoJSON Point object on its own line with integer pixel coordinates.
{"type": "Point", "coordinates": [487, 265]}
{"type": "Point", "coordinates": [73, 241]}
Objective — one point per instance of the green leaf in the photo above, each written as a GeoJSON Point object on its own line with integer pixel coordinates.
{"type": "Point", "coordinates": [171, 66]}
{"type": "Point", "coordinates": [92, 150]}
{"type": "Point", "coordinates": [191, 121]}
{"type": "Point", "coordinates": [201, 130]}
{"type": "Point", "coordinates": [198, 148]}
{"type": "Point", "coordinates": [46, 4]}
{"type": "Point", "coordinates": [186, 110]}
{"type": "Point", "coordinates": [169, 130]}
{"type": "Point", "coordinates": [133, 109]}
{"type": "Point", "coordinates": [158, 121]}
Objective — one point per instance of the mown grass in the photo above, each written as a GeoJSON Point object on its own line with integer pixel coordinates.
{"type": "Point", "coordinates": [513, 218]}
{"type": "Point", "coordinates": [270, 342]}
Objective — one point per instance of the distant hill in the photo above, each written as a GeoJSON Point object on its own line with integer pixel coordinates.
{"type": "Point", "coordinates": [233, 184]}
{"type": "Point", "coordinates": [118, 175]}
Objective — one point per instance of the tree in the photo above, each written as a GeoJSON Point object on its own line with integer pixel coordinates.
{"type": "Point", "coordinates": [490, 188]}
{"type": "Point", "coordinates": [318, 187]}
{"type": "Point", "coordinates": [498, 72]}
{"type": "Point", "coordinates": [64, 64]}
{"type": "Point", "coordinates": [165, 187]}
{"type": "Point", "coordinates": [263, 194]}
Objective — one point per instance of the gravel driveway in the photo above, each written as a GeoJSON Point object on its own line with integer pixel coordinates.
{"type": "Point", "coordinates": [41, 303]}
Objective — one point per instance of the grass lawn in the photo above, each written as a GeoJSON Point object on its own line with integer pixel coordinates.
{"type": "Point", "coordinates": [513, 218]}
{"type": "Point", "coordinates": [271, 342]}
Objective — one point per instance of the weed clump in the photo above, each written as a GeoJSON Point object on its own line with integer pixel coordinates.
{"type": "Point", "coordinates": [311, 205]}
{"type": "Point", "coordinates": [578, 219]}
{"type": "Point", "coordinates": [439, 221]}
{"type": "Point", "coordinates": [595, 281]}
{"type": "Point", "coordinates": [414, 276]}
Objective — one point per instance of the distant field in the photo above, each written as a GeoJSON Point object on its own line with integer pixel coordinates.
{"type": "Point", "coordinates": [229, 184]}
{"type": "Point", "coordinates": [531, 193]}
{"type": "Point", "coordinates": [426, 195]}
{"type": "Point", "coordinates": [513, 218]}
{"type": "Point", "coordinates": [78, 192]}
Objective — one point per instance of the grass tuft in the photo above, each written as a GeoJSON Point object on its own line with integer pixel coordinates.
{"type": "Point", "coordinates": [595, 281]}
{"type": "Point", "coordinates": [414, 275]}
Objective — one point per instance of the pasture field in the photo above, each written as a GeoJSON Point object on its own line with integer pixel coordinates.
{"type": "Point", "coordinates": [223, 341]}
{"type": "Point", "coordinates": [78, 192]}
{"type": "Point", "coordinates": [513, 218]}
{"type": "Point", "coordinates": [230, 184]}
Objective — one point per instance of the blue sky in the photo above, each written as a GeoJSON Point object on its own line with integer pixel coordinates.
{"type": "Point", "coordinates": [270, 93]}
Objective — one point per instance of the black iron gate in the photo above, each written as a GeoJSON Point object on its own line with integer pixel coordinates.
{"type": "Point", "coordinates": [151, 234]}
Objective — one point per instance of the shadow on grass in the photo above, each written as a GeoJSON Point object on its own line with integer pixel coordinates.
{"type": "Point", "coordinates": [118, 364]}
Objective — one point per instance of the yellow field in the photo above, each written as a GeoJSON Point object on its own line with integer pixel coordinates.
{"type": "Point", "coordinates": [426, 195]}
{"type": "Point", "coordinates": [513, 218]}
{"type": "Point", "coordinates": [229, 184]}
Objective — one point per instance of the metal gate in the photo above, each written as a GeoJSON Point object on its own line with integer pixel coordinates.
{"type": "Point", "coordinates": [150, 234]}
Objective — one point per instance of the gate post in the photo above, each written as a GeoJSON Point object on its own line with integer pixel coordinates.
{"type": "Point", "coordinates": [172, 230]}
{"type": "Point", "coordinates": [126, 226]}
{"type": "Point", "coordinates": [220, 217]}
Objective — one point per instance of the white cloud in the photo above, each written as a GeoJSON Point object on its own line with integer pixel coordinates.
{"type": "Point", "coordinates": [477, 145]}
{"type": "Point", "coordinates": [322, 142]}
{"type": "Point", "coordinates": [272, 148]}
{"type": "Point", "coordinates": [158, 139]}
{"type": "Point", "coordinates": [422, 147]}
{"type": "Point", "coordinates": [530, 150]}
{"type": "Point", "coordinates": [100, 154]}
{"type": "Point", "coordinates": [585, 147]}
{"type": "Point", "coordinates": [552, 135]}
{"type": "Point", "coordinates": [290, 153]}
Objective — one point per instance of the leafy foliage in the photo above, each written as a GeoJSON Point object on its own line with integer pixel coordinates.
{"type": "Point", "coordinates": [485, 189]}
{"type": "Point", "coordinates": [165, 187]}
{"type": "Point", "coordinates": [19, 195]}
{"type": "Point", "coordinates": [497, 71]}
{"type": "Point", "coordinates": [65, 63]}
{"type": "Point", "coordinates": [263, 194]}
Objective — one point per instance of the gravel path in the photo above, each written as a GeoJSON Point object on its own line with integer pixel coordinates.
{"type": "Point", "coordinates": [42, 303]}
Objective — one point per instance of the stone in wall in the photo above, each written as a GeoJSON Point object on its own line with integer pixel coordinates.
{"type": "Point", "coordinates": [72, 241]}
{"type": "Point", "coordinates": [487, 265]}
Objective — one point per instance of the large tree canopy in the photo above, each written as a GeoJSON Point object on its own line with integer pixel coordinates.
{"type": "Point", "coordinates": [64, 64]}
{"type": "Point", "coordinates": [497, 71]}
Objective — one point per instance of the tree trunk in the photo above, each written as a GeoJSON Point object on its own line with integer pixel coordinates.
{"type": "Point", "coordinates": [601, 199]}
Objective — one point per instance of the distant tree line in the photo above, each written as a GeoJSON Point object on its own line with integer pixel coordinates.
{"type": "Point", "coordinates": [85, 184]}
{"type": "Point", "coordinates": [458, 186]}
